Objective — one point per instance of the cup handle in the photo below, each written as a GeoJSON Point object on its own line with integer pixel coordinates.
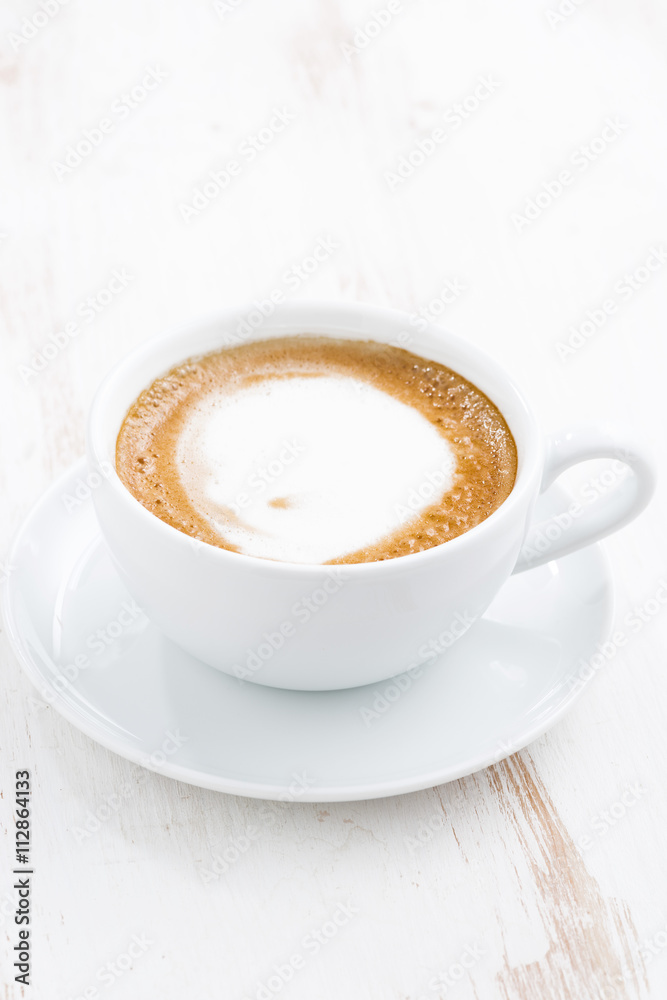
{"type": "Point", "coordinates": [609, 507]}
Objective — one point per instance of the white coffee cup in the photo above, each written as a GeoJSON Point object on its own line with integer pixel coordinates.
{"type": "Point", "coordinates": [314, 627]}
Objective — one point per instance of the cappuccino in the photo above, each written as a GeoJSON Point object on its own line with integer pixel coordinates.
{"type": "Point", "coordinates": [316, 450]}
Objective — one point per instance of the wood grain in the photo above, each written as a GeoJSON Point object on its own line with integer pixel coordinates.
{"type": "Point", "coordinates": [501, 873]}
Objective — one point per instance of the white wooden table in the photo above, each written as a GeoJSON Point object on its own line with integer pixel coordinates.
{"type": "Point", "coordinates": [521, 890]}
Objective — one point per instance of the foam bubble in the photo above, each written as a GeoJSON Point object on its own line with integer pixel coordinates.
{"type": "Point", "coordinates": [309, 469]}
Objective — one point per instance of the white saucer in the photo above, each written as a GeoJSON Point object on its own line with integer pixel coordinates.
{"type": "Point", "coordinates": [504, 684]}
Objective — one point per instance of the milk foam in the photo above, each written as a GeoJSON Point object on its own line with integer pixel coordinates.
{"type": "Point", "coordinates": [309, 469]}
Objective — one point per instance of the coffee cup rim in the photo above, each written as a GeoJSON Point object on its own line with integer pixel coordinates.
{"type": "Point", "coordinates": [313, 318]}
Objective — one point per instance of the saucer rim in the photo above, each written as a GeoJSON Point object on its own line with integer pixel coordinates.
{"type": "Point", "coordinates": [257, 790]}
